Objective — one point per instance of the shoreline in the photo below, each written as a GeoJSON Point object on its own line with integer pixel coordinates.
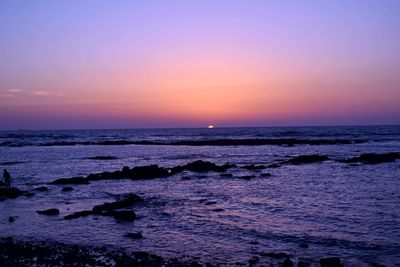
{"type": "Point", "coordinates": [15, 252]}
{"type": "Point", "coordinates": [31, 252]}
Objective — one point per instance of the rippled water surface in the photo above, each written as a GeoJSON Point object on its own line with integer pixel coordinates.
{"type": "Point", "coordinates": [348, 210]}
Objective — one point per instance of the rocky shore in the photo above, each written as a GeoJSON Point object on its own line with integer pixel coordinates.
{"type": "Point", "coordinates": [18, 253]}
{"type": "Point", "coordinates": [37, 253]}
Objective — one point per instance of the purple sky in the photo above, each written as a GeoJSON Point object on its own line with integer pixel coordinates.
{"type": "Point", "coordinates": [131, 64]}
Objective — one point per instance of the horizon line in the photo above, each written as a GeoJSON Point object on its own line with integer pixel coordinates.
{"type": "Point", "coordinates": [204, 127]}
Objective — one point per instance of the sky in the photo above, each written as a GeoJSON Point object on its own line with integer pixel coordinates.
{"type": "Point", "coordinates": [71, 64]}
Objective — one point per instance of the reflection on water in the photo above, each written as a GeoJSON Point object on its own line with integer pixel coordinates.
{"type": "Point", "coordinates": [352, 211]}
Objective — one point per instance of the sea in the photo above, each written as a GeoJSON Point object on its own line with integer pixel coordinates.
{"type": "Point", "coordinates": [310, 211]}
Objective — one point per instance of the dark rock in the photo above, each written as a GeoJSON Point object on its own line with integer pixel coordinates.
{"type": "Point", "coordinates": [372, 158]}
{"type": "Point", "coordinates": [226, 174]}
{"type": "Point", "coordinates": [254, 167]}
{"type": "Point", "coordinates": [147, 172]}
{"type": "Point", "coordinates": [13, 192]}
{"type": "Point", "coordinates": [330, 262]}
{"type": "Point", "coordinates": [42, 189]}
{"type": "Point", "coordinates": [204, 166]}
{"type": "Point", "coordinates": [121, 215]}
{"type": "Point", "coordinates": [112, 209]}
{"type": "Point", "coordinates": [304, 159]}
{"type": "Point", "coordinates": [211, 203]}
{"type": "Point", "coordinates": [28, 253]}
{"type": "Point", "coordinates": [125, 202]}
{"type": "Point", "coordinates": [78, 214]}
{"type": "Point", "coordinates": [185, 178]}
{"type": "Point", "coordinates": [265, 174]}
{"type": "Point", "coordinates": [11, 219]}
{"type": "Point", "coordinates": [287, 263]}
{"type": "Point", "coordinates": [73, 180]}
{"type": "Point", "coordinates": [135, 235]}
{"type": "Point", "coordinates": [29, 194]}
{"type": "Point", "coordinates": [67, 189]}
{"type": "Point", "coordinates": [103, 158]}
{"type": "Point", "coordinates": [49, 212]}
{"type": "Point", "coordinates": [136, 173]}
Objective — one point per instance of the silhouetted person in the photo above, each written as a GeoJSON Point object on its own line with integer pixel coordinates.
{"type": "Point", "coordinates": [7, 179]}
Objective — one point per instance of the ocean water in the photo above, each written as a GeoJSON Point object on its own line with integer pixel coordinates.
{"type": "Point", "coordinates": [338, 209]}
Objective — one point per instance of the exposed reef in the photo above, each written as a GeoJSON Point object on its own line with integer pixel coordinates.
{"type": "Point", "coordinates": [371, 158]}
{"type": "Point", "coordinates": [145, 172]}
{"type": "Point", "coordinates": [13, 192]}
{"type": "Point", "coordinates": [117, 209]}
{"type": "Point", "coordinates": [216, 142]}
{"type": "Point", "coordinates": [48, 212]}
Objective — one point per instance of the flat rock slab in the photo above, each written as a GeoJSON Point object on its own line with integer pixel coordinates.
{"type": "Point", "coordinates": [48, 212]}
